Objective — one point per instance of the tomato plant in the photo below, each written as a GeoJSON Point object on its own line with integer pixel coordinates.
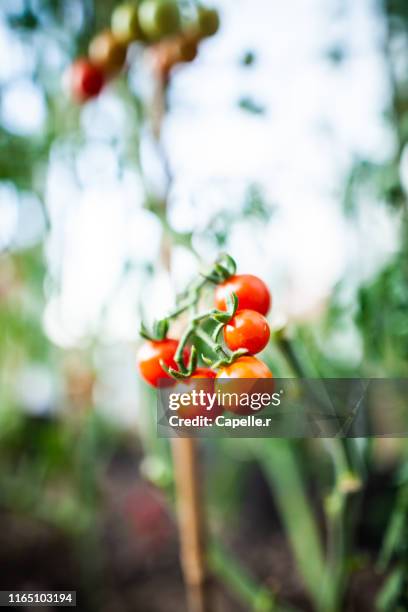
{"type": "Point", "coordinates": [251, 291]}
{"type": "Point", "coordinates": [155, 23]}
{"type": "Point", "coordinates": [245, 331]}
{"type": "Point", "coordinates": [248, 329]}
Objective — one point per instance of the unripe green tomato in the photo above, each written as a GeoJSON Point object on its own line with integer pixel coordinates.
{"type": "Point", "coordinates": [159, 18]}
{"type": "Point", "coordinates": [107, 52]}
{"type": "Point", "coordinates": [125, 23]}
{"type": "Point", "coordinates": [208, 21]}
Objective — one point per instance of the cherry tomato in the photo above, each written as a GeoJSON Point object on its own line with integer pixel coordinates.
{"type": "Point", "coordinates": [208, 21]}
{"type": "Point", "coordinates": [150, 355]}
{"type": "Point", "coordinates": [85, 80]}
{"type": "Point", "coordinates": [159, 18]}
{"type": "Point", "coordinates": [246, 370]}
{"type": "Point", "coordinates": [206, 384]}
{"type": "Point", "coordinates": [251, 291]}
{"type": "Point", "coordinates": [125, 23]}
{"type": "Point", "coordinates": [203, 373]}
{"type": "Point", "coordinates": [248, 329]}
{"type": "Point", "coordinates": [107, 52]}
{"type": "Point", "coordinates": [245, 367]}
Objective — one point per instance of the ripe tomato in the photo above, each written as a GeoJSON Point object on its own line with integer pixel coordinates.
{"type": "Point", "coordinates": [159, 18]}
{"type": "Point", "coordinates": [204, 373]}
{"type": "Point", "coordinates": [205, 407]}
{"type": "Point", "coordinates": [245, 367]}
{"type": "Point", "coordinates": [208, 21]}
{"type": "Point", "coordinates": [107, 52]}
{"type": "Point", "coordinates": [125, 23]}
{"type": "Point", "coordinates": [149, 357]}
{"type": "Point", "coordinates": [248, 329]}
{"type": "Point", "coordinates": [251, 291]}
{"type": "Point", "coordinates": [237, 379]}
{"type": "Point", "coordinates": [85, 80]}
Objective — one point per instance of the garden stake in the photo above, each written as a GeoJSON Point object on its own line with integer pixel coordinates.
{"type": "Point", "coordinates": [185, 452]}
{"type": "Point", "coordinates": [190, 522]}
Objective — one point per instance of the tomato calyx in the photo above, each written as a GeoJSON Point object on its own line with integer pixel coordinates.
{"type": "Point", "coordinates": [221, 270]}
{"type": "Point", "coordinates": [184, 371]}
{"type": "Point", "coordinates": [226, 360]}
{"type": "Point", "coordinates": [158, 333]}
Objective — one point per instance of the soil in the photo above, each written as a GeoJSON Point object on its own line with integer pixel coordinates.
{"type": "Point", "coordinates": [130, 562]}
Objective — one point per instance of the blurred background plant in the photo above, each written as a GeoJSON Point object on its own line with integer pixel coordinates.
{"type": "Point", "coordinates": [284, 143]}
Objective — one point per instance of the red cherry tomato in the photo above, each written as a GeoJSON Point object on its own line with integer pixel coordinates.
{"type": "Point", "coordinates": [237, 379]}
{"type": "Point", "coordinates": [150, 355]}
{"type": "Point", "coordinates": [85, 79]}
{"type": "Point", "coordinates": [251, 291]}
{"type": "Point", "coordinates": [204, 373]}
{"type": "Point", "coordinates": [245, 367]}
{"type": "Point", "coordinates": [205, 407]}
{"type": "Point", "coordinates": [248, 329]}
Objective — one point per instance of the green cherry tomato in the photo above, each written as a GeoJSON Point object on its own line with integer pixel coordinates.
{"type": "Point", "coordinates": [248, 329]}
{"type": "Point", "coordinates": [159, 18]}
{"type": "Point", "coordinates": [106, 51]}
{"type": "Point", "coordinates": [125, 23]}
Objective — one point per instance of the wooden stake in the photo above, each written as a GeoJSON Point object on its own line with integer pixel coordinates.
{"type": "Point", "coordinates": [185, 452]}
{"type": "Point", "coordinates": [191, 525]}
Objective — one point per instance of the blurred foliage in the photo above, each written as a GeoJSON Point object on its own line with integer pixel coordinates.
{"type": "Point", "coordinates": [50, 461]}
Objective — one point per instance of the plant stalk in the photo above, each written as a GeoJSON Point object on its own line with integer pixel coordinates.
{"type": "Point", "coordinates": [185, 452]}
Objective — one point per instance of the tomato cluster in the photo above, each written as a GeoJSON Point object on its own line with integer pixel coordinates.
{"type": "Point", "coordinates": [248, 329]}
{"type": "Point", "coordinates": [157, 23]}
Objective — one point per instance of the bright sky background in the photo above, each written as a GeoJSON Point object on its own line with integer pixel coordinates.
{"type": "Point", "coordinates": [319, 117]}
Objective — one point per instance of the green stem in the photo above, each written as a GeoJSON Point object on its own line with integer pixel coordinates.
{"type": "Point", "coordinates": [257, 598]}
{"type": "Point", "coordinates": [178, 357]}
{"type": "Point", "coordinates": [280, 466]}
{"type": "Point", "coordinates": [395, 530]}
{"type": "Point", "coordinates": [332, 579]}
{"type": "Point", "coordinates": [193, 329]}
{"type": "Point", "coordinates": [214, 346]}
{"type": "Point", "coordinates": [193, 298]}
